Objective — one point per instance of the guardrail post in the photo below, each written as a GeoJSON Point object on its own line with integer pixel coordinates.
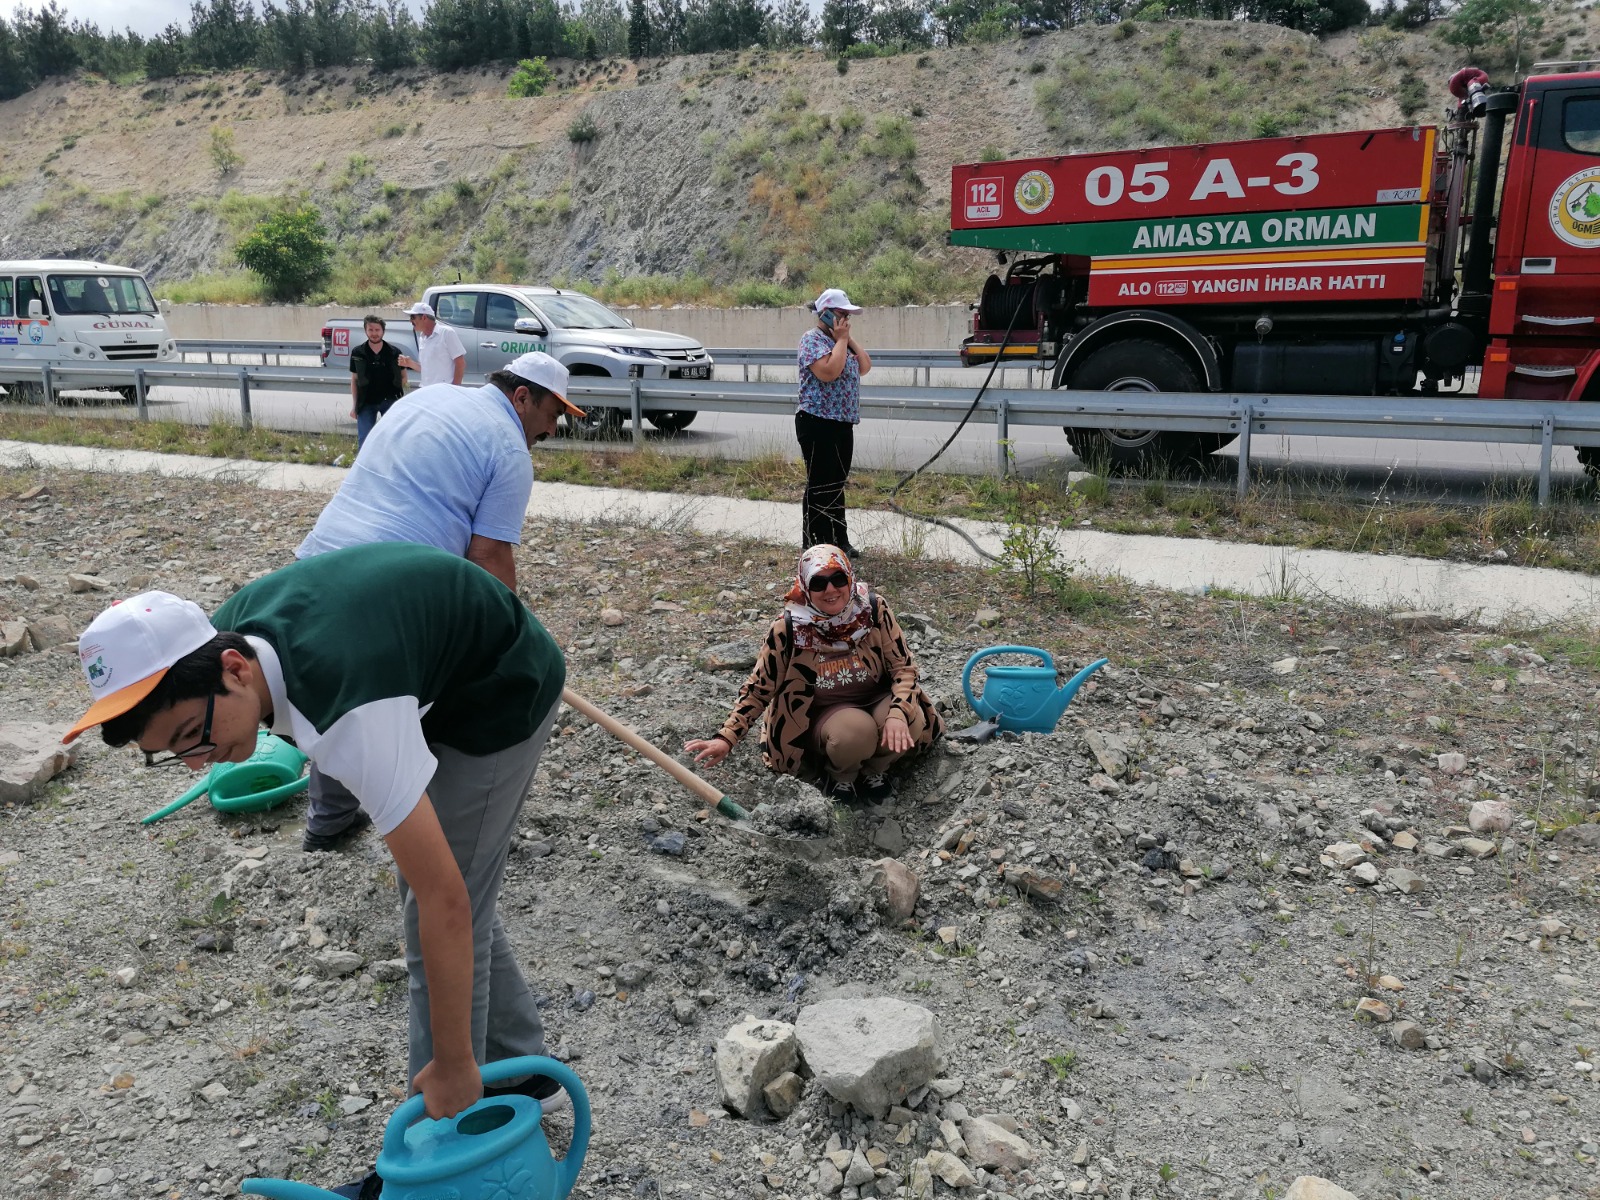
{"type": "Point", "coordinates": [47, 381]}
{"type": "Point", "coordinates": [1248, 418]}
{"type": "Point", "coordinates": [141, 393]}
{"type": "Point", "coordinates": [1002, 436]}
{"type": "Point", "coordinates": [244, 399]}
{"type": "Point", "coordinates": [638, 412]}
{"type": "Point", "coordinates": [1546, 448]}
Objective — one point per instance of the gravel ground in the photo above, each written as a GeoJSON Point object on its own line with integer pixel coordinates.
{"type": "Point", "coordinates": [1145, 937]}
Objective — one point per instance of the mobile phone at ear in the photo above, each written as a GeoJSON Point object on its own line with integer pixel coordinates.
{"type": "Point", "coordinates": [826, 317]}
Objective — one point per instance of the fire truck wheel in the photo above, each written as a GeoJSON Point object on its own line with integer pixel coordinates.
{"type": "Point", "coordinates": [1589, 458]}
{"type": "Point", "coordinates": [1138, 365]}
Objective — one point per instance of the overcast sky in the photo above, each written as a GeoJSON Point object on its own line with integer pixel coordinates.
{"type": "Point", "coordinates": [142, 16]}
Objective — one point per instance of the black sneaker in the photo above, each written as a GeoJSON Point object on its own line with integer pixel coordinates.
{"type": "Point", "coordinates": [321, 843]}
{"type": "Point", "coordinates": [842, 793]}
{"type": "Point", "coordinates": [369, 1187]}
{"type": "Point", "coordinates": [552, 1097]}
{"type": "Point", "coordinates": [874, 788]}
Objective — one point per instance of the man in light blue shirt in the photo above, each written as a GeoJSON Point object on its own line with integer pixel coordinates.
{"type": "Point", "coordinates": [447, 467]}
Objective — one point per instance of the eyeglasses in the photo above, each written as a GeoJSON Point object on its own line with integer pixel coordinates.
{"type": "Point", "coordinates": [204, 746]}
{"type": "Point", "coordinates": [821, 583]}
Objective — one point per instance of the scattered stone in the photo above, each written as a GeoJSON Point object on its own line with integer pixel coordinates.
{"type": "Point", "coordinates": [1404, 840]}
{"type": "Point", "coordinates": [921, 1180]}
{"type": "Point", "coordinates": [126, 976]}
{"type": "Point", "coordinates": [13, 639]}
{"type": "Point", "coordinates": [751, 1055]}
{"type": "Point", "coordinates": [1365, 872]}
{"type": "Point", "coordinates": [1284, 666]}
{"type": "Point", "coordinates": [1408, 1035]}
{"type": "Point", "coordinates": [1031, 883]}
{"type": "Point", "coordinates": [728, 656]}
{"type": "Point", "coordinates": [1477, 847]}
{"type": "Point", "coordinates": [783, 1094]}
{"type": "Point", "coordinates": [954, 1142]}
{"type": "Point", "coordinates": [1344, 854]}
{"type": "Point", "coordinates": [388, 970]}
{"type": "Point", "coordinates": [950, 1169]}
{"type": "Point", "coordinates": [1586, 835]}
{"type": "Point", "coordinates": [987, 617]}
{"type": "Point", "coordinates": [673, 842]}
{"type": "Point", "coordinates": [1490, 816]}
{"type": "Point", "coordinates": [45, 632]}
{"type": "Point", "coordinates": [895, 888]}
{"type": "Point", "coordinates": [869, 1053]}
{"type": "Point", "coordinates": [859, 1171]}
{"type": "Point", "coordinates": [1452, 763]}
{"type": "Point", "coordinates": [994, 1148]}
{"type": "Point", "coordinates": [338, 963]}
{"type": "Point", "coordinates": [1110, 750]}
{"type": "Point", "coordinates": [213, 1092]}
{"type": "Point", "coordinates": [31, 755]}
{"type": "Point", "coordinates": [611, 617]}
{"type": "Point", "coordinates": [86, 583]}
{"type": "Point", "coordinates": [1375, 1009]}
{"type": "Point", "coordinates": [1405, 881]}
{"type": "Point", "coordinates": [829, 1178]}
{"type": "Point", "coordinates": [104, 1177]}
{"type": "Point", "coordinates": [217, 941]}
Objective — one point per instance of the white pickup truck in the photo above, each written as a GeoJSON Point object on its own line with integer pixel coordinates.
{"type": "Point", "coordinates": [497, 322]}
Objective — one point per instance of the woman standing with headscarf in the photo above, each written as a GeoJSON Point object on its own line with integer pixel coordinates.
{"type": "Point", "coordinates": [831, 366]}
{"type": "Point", "coordinates": [838, 685]}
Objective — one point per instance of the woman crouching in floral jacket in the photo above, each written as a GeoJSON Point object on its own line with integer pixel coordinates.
{"type": "Point", "coordinates": [838, 685]}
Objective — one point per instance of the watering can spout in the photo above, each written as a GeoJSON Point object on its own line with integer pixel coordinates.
{"type": "Point", "coordinates": [1070, 688]}
{"type": "Point", "coordinates": [284, 1189]}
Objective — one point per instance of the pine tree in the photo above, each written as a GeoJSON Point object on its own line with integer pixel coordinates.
{"type": "Point", "coordinates": [791, 24]}
{"type": "Point", "coordinates": [843, 23]}
{"type": "Point", "coordinates": [638, 30]}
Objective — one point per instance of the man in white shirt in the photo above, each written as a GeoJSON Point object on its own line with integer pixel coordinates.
{"type": "Point", "coordinates": [441, 358]}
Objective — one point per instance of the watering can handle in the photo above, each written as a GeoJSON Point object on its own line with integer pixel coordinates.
{"type": "Point", "coordinates": [966, 674]}
{"type": "Point", "coordinates": [194, 793]}
{"type": "Point", "coordinates": [284, 1189]}
{"type": "Point", "coordinates": [509, 1068]}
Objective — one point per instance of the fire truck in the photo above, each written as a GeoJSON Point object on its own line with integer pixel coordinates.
{"type": "Point", "coordinates": [1369, 263]}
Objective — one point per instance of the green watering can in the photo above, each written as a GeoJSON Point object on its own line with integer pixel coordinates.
{"type": "Point", "coordinates": [267, 778]}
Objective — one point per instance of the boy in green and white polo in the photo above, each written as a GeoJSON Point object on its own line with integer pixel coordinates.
{"type": "Point", "coordinates": [420, 682]}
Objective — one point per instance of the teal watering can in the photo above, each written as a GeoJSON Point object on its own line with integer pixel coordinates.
{"type": "Point", "coordinates": [268, 777]}
{"type": "Point", "coordinates": [494, 1150]}
{"type": "Point", "coordinates": [1023, 699]}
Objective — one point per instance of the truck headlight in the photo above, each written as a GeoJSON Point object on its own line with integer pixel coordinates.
{"type": "Point", "coordinates": [631, 352]}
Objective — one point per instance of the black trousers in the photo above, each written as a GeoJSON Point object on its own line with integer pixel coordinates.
{"type": "Point", "coordinates": [827, 447]}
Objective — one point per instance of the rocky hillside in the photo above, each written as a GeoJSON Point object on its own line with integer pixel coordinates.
{"type": "Point", "coordinates": [740, 178]}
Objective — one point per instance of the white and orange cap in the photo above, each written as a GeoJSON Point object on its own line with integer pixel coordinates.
{"type": "Point", "coordinates": [129, 647]}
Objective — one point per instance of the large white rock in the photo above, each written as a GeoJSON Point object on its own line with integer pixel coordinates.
{"type": "Point", "coordinates": [31, 755]}
{"type": "Point", "coordinates": [872, 1053]}
{"type": "Point", "coordinates": [1313, 1187]}
{"type": "Point", "coordinates": [989, 1145]}
{"type": "Point", "coordinates": [751, 1055]}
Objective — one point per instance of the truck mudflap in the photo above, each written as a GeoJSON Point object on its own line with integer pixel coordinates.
{"type": "Point", "coordinates": [1551, 371]}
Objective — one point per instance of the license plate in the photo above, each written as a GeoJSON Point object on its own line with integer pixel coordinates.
{"type": "Point", "coordinates": [691, 373]}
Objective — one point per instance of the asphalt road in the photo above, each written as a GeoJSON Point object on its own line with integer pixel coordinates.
{"type": "Point", "coordinates": [1362, 464]}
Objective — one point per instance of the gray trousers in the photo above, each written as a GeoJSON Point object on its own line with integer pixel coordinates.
{"type": "Point", "coordinates": [330, 806]}
{"type": "Point", "coordinates": [478, 799]}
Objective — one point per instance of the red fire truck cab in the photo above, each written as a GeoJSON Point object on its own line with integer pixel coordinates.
{"type": "Point", "coordinates": [1360, 263]}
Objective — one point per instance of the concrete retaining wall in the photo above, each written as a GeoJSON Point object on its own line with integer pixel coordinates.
{"type": "Point", "coordinates": [936, 327]}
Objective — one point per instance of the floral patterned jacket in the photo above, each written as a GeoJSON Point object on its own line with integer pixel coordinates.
{"type": "Point", "coordinates": [783, 686]}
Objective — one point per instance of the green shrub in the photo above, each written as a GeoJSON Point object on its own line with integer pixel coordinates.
{"type": "Point", "coordinates": [583, 129]}
{"type": "Point", "coordinates": [290, 251]}
{"type": "Point", "coordinates": [224, 156]}
{"type": "Point", "coordinates": [531, 78]}
{"type": "Point", "coordinates": [991, 153]}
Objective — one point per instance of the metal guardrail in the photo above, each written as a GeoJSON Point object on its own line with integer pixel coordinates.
{"type": "Point", "coordinates": [1244, 416]}
{"type": "Point", "coordinates": [210, 348]}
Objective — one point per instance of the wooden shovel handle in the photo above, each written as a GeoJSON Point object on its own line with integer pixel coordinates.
{"type": "Point", "coordinates": [706, 791]}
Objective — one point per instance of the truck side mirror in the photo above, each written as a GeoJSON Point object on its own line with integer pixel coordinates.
{"type": "Point", "coordinates": [164, 306]}
{"type": "Point", "coordinates": [35, 309]}
{"type": "Point", "coordinates": [529, 325]}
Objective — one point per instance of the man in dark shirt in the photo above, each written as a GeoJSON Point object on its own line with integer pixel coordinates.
{"type": "Point", "coordinates": [376, 378]}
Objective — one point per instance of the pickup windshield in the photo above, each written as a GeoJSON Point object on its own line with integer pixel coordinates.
{"type": "Point", "coordinates": [574, 311]}
{"type": "Point", "coordinates": [89, 295]}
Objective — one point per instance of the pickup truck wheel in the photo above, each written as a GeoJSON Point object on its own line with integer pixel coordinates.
{"type": "Point", "coordinates": [1589, 459]}
{"type": "Point", "coordinates": [601, 422]}
{"type": "Point", "coordinates": [1138, 365]}
{"type": "Point", "coordinates": [672, 422]}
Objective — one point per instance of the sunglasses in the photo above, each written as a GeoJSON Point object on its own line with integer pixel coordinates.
{"type": "Point", "coordinates": [821, 583]}
{"type": "Point", "coordinates": [204, 746]}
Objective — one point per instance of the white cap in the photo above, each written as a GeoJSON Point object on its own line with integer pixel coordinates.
{"type": "Point", "coordinates": [421, 309]}
{"type": "Point", "coordinates": [834, 298]}
{"type": "Point", "coordinates": [129, 647]}
{"type": "Point", "coordinates": [538, 367]}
